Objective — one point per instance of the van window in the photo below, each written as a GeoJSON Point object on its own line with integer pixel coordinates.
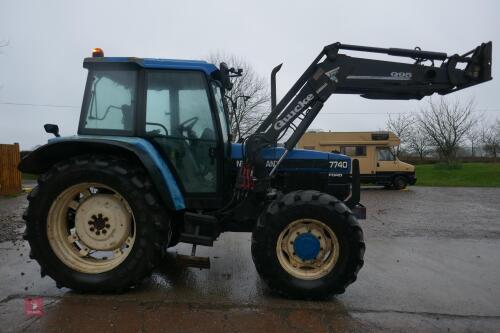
{"type": "Point", "coordinates": [384, 154]}
{"type": "Point", "coordinates": [310, 147]}
{"type": "Point", "coordinates": [353, 150]}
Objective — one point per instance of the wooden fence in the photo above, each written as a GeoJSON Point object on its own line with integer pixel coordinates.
{"type": "Point", "coordinates": [10, 177]}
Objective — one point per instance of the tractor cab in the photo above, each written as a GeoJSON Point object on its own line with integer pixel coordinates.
{"type": "Point", "coordinates": [176, 105]}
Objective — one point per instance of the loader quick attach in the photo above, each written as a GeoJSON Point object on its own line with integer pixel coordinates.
{"type": "Point", "coordinates": [152, 165]}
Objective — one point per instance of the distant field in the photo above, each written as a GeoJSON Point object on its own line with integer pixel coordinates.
{"type": "Point", "coordinates": [469, 174]}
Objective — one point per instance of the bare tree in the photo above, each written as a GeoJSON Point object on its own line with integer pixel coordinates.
{"type": "Point", "coordinates": [402, 127]}
{"type": "Point", "coordinates": [490, 137]}
{"type": "Point", "coordinates": [474, 137]}
{"type": "Point", "coordinates": [447, 124]}
{"type": "Point", "coordinates": [248, 100]}
{"type": "Point", "coordinates": [418, 142]}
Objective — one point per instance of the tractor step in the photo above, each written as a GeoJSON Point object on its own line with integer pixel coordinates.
{"type": "Point", "coordinates": [196, 239]}
{"type": "Point", "coordinates": [359, 211]}
{"type": "Point", "coordinates": [193, 260]}
{"type": "Point", "coordinates": [200, 229]}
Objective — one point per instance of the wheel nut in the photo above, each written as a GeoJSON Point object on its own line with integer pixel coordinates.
{"type": "Point", "coordinates": [92, 229]}
{"type": "Point", "coordinates": [103, 231]}
{"type": "Point", "coordinates": [107, 225]}
{"type": "Point", "coordinates": [106, 219]}
{"type": "Point", "coordinates": [90, 222]}
{"type": "Point", "coordinates": [97, 232]}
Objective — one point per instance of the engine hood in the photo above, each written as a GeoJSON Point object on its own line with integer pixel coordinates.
{"type": "Point", "coordinates": [299, 160]}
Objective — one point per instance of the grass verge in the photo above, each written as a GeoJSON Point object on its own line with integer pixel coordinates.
{"type": "Point", "coordinates": [469, 174]}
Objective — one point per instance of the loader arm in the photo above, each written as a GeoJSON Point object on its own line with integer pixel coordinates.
{"type": "Point", "coordinates": [335, 73]}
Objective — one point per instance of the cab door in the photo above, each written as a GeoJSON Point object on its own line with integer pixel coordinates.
{"type": "Point", "coordinates": [180, 122]}
{"type": "Point", "coordinates": [386, 164]}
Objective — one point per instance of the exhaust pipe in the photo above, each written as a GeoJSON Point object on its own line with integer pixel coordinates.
{"type": "Point", "coordinates": [273, 85]}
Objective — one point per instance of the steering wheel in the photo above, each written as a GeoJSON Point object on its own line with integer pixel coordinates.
{"type": "Point", "coordinates": [157, 131]}
{"type": "Point", "coordinates": [187, 126]}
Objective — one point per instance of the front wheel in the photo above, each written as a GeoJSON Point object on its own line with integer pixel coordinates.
{"type": "Point", "coordinates": [400, 182]}
{"type": "Point", "coordinates": [94, 223]}
{"type": "Point", "coordinates": [308, 245]}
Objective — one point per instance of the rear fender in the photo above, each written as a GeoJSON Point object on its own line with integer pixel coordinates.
{"type": "Point", "coordinates": [137, 149]}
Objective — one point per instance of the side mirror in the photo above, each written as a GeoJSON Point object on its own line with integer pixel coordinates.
{"type": "Point", "coordinates": [52, 129]}
{"type": "Point", "coordinates": [224, 76]}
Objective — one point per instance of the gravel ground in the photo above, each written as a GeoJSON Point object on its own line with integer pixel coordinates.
{"type": "Point", "coordinates": [11, 217]}
{"type": "Point", "coordinates": [447, 212]}
{"type": "Point", "coordinates": [431, 265]}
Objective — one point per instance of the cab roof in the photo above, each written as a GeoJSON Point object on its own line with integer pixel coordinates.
{"type": "Point", "coordinates": [154, 63]}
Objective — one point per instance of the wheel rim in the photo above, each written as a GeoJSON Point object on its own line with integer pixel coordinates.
{"type": "Point", "coordinates": [308, 249]}
{"type": "Point", "coordinates": [91, 228]}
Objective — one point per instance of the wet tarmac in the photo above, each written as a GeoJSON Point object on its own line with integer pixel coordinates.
{"type": "Point", "coordinates": [432, 265]}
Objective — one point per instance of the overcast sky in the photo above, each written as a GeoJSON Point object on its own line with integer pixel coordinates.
{"type": "Point", "coordinates": [47, 41]}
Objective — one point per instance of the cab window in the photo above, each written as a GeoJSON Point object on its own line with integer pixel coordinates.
{"type": "Point", "coordinates": [353, 150]}
{"type": "Point", "coordinates": [179, 120]}
{"type": "Point", "coordinates": [111, 100]}
{"type": "Point", "coordinates": [178, 106]}
{"type": "Point", "coordinates": [217, 90]}
{"type": "Point", "coordinates": [384, 154]}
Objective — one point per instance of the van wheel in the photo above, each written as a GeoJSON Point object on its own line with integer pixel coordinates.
{"type": "Point", "coordinates": [400, 182]}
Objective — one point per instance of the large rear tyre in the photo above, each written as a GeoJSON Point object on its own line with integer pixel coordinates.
{"type": "Point", "coordinates": [95, 224]}
{"type": "Point", "coordinates": [308, 245]}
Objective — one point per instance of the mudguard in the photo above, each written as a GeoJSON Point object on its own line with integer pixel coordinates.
{"type": "Point", "coordinates": [58, 149]}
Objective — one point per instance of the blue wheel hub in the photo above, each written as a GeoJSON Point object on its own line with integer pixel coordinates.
{"type": "Point", "coordinates": [306, 246]}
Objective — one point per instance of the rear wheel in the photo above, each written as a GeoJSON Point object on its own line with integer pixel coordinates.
{"type": "Point", "coordinates": [94, 223]}
{"type": "Point", "coordinates": [99, 233]}
{"type": "Point", "coordinates": [308, 245]}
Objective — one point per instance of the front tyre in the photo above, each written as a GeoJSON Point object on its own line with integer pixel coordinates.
{"type": "Point", "coordinates": [400, 182]}
{"type": "Point", "coordinates": [308, 245]}
{"type": "Point", "coordinates": [94, 223]}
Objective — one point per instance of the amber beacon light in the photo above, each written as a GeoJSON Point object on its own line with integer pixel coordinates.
{"type": "Point", "coordinates": [97, 52]}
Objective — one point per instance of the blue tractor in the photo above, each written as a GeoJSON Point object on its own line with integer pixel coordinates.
{"type": "Point", "coordinates": [153, 165]}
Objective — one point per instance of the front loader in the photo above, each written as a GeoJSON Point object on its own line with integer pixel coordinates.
{"type": "Point", "coordinates": [152, 165]}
